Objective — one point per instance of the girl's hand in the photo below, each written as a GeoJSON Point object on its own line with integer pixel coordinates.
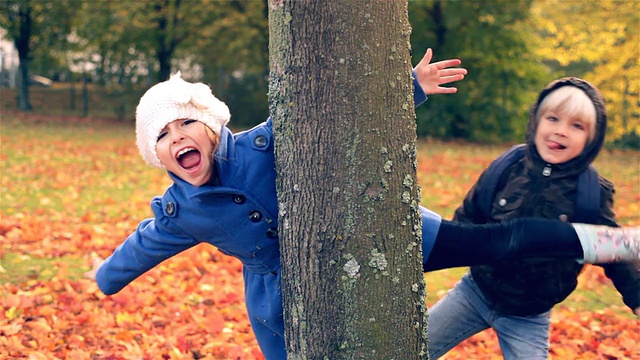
{"type": "Point", "coordinates": [431, 76]}
{"type": "Point", "coordinates": [96, 262]}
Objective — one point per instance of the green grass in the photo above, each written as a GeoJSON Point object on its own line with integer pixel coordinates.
{"type": "Point", "coordinates": [74, 169]}
{"type": "Point", "coordinates": [21, 268]}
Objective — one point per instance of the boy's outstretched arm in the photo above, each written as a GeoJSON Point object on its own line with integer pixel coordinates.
{"type": "Point", "coordinates": [431, 76]}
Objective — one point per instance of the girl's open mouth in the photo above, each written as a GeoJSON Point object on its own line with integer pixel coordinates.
{"type": "Point", "coordinates": [188, 158]}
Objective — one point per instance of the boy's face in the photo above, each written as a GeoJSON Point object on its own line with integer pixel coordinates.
{"type": "Point", "coordinates": [560, 138]}
{"type": "Point", "coordinates": [185, 147]}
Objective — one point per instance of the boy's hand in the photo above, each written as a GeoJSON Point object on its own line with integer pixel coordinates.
{"type": "Point", "coordinates": [431, 76]}
{"type": "Point", "coordinates": [96, 262]}
{"type": "Point", "coordinates": [637, 311]}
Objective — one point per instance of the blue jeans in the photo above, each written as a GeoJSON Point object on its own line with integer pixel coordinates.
{"type": "Point", "coordinates": [464, 312]}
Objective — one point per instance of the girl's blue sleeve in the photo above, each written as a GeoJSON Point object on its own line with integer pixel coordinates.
{"type": "Point", "coordinates": [419, 97]}
{"type": "Point", "coordinates": [148, 246]}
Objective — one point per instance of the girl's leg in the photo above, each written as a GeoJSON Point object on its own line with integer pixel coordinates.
{"type": "Point", "coordinates": [459, 244]}
{"type": "Point", "coordinates": [430, 227]}
{"type": "Point", "coordinates": [603, 244]}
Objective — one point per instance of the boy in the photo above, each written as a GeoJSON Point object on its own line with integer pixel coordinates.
{"type": "Point", "coordinates": [565, 133]}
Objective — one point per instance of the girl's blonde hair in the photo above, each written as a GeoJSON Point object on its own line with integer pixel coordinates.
{"type": "Point", "coordinates": [573, 102]}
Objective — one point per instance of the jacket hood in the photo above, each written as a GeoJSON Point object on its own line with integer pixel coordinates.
{"type": "Point", "coordinates": [593, 148]}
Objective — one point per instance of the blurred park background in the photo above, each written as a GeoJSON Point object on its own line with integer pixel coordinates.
{"type": "Point", "coordinates": [96, 58]}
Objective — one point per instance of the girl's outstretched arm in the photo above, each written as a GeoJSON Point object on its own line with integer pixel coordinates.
{"type": "Point", "coordinates": [96, 262]}
{"type": "Point", "coordinates": [431, 75]}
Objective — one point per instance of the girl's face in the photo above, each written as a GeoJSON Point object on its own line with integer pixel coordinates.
{"type": "Point", "coordinates": [559, 137]}
{"type": "Point", "coordinates": [185, 147]}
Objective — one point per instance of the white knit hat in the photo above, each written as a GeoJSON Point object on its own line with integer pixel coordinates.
{"type": "Point", "coordinates": [172, 100]}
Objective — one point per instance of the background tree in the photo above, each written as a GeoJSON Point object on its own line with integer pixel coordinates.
{"type": "Point", "coordinates": [222, 43]}
{"type": "Point", "coordinates": [234, 53]}
{"type": "Point", "coordinates": [131, 38]}
{"type": "Point", "coordinates": [512, 49]}
{"type": "Point", "coordinates": [110, 42]}
{"type": "Point", "coordinates": [17, 18]}
{"type": "Point", "coordinates": [491, 39]}
{"type": "Point", "coordinates": [36, 28]}
{"type": "Point", "coordinates": [162, 26]}
{"type": "Point", "coordinates": [341, 99]}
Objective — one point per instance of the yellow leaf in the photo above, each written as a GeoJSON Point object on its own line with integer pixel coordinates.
{"type": "Point", "coordinates": [12, 313]}
{"type": "Point", "coordinates": [124, 318]}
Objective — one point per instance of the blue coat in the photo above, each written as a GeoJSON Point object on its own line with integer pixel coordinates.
{"type": "Point", "coordinates": [239, 216]}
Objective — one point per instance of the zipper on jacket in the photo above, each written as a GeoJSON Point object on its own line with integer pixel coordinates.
{"type": "Point", "coordinates": [538, 187]}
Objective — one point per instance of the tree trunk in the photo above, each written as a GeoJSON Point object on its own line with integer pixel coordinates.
{"type": "Point", "coordinates": [24, 103]}
{"type": "Point", "coordinates": [22, 43]}
{"type": "Point", "coordinates": [164, 51]}
{"type": "Point", "coordinates": [344, 124]}
{"type": "Point", "coordinates": [164, 59]}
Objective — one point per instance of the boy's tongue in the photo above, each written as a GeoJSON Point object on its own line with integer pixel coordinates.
{"type": "Point", "coordinates": [554, 145]}
{"type": "Point", "coordinates": [190, 159]}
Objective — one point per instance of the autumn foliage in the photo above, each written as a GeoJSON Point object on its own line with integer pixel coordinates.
{"type": "Point", "coordinates": [72, 189]}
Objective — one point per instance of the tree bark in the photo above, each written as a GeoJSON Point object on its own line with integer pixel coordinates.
{"type": "Point", "coordinates": [22, 43]}
{"type": "Point", "coordinates": [344, 125]}
{"type": "Point", "coordinates": [24, 103]}
{"type": "Point", "coordinates": [164, 40]}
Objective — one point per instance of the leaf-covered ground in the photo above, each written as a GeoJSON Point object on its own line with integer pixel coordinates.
{"type": "Point", "coordinates": [70, 189]}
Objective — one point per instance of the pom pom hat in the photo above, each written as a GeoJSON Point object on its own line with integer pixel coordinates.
{"type": "Point", "coordinates": [172, 100]}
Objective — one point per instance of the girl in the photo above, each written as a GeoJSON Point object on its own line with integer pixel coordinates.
{"type": "Point", "coordinates": [224, 194]}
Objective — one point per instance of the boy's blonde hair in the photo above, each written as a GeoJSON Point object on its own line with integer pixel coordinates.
{"type": "Point", "coordinates": [573, 102]}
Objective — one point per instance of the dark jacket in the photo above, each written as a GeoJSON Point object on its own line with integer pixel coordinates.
{"type": "Point", "coordinates": [530, 287]}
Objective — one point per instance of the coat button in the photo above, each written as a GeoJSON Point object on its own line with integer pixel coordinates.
{"type": "Point", "coordinates": [502, 202]}
{"type": "Point", "coordinates": [170, 208]}
{"type": "Point", "coordinates": [272, 233]}
{"type": "Point", "coordinates": [255, 216]}
{"type": "Point", "coordinates": [239, 199]}
{"type": "Point", "coordinates": [260, 141]}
